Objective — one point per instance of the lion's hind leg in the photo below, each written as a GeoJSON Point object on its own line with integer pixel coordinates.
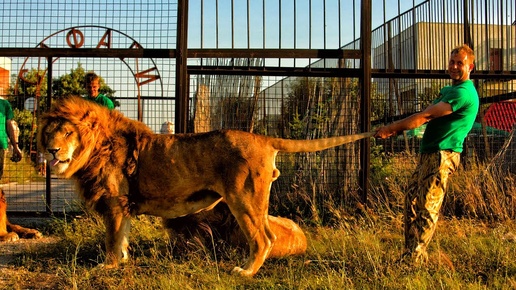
{"type": "Point", "coordinates": [291, 239]}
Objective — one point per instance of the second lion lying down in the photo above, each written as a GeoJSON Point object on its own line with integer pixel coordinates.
{"type": "Point", "coordinates": [122, 169]}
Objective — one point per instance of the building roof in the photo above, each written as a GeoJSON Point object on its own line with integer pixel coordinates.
{"type": "Point", "coordinates": [501, 115]}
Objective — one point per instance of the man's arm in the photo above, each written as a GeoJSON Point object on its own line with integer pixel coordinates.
{"type": "Point", "coordinates": [13, 133]}
{"type": "Point", "coordinates": [414, 121]}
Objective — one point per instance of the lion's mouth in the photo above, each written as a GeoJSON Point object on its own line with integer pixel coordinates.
{"type": "Point", "coordinates": [54, 162]}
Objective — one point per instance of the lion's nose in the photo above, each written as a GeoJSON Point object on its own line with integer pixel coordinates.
{"type": "Point", "coordinates": [53, 151]}
{"type": "Point", "coordinates": [52, 155]}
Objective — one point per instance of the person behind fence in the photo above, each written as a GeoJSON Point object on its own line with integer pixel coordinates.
{"type": "Point", "coordinates": [8, 134]}
{"type": "Point", "coordinates": [92, 85]}
{"type": "Point", "coordinates": [167, 128]}
{"type": "Point", "coordinates": [449, 119]}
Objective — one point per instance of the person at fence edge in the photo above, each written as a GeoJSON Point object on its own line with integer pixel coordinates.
{"type": "Point", "coordinates": [167, 128]}
{"type": "Point", "coordinates": [449, 119]}
{"type": "Point", "coordinates": [8, 134]}
{"type": "Point", "coordinates": [92, 84]}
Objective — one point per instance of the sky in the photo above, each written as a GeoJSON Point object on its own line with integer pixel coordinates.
{"type": "Point", "coordinates": [310, 24]}
{"type": "Point", "coordinates": [283, 24]}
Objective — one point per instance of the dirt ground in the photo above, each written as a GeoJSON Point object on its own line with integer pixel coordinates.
{"type": "Point", "coordinates": [10, 250]}
{"type": "Point", "coordinates": [13, 276]}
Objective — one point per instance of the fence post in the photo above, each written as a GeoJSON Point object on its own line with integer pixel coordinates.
{"type": "Point", "coordinates": [365, 98]}
{"type": "Point", "coordinates": [181, 113]}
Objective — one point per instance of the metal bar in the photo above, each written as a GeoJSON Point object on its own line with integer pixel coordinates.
{"type": "Point", "coordinates": [217, 24]}
{"type": "Point", "coordinates": [181, 111]}
{"type": "Point", "coordinates": [365, 99]}
{"type": "Point", "coordinates": [295, 29]}
{"type": "Point", "coordinates": [88, 52]}
{"type": "Point", "coordinates": [248, 25]}
{"type": "Point", "coordinates": [273, 71]}
{"type": "Point", "coordinates": [48, 184]}
{"type": "Point", "coordinates": [232, 24]}
{"type": "Point", "coordinates": [414, 36]}
{"type": "Point", "coordinates": [279, 30]}
{"type": "Point", "coordinates": [275, 53]}
{"type": "Point", "coordinates": [341, 72]}
{"type": "Point", "coordinates": [263, 24]}
{"type": "Point", "coordinates": [172, 53]}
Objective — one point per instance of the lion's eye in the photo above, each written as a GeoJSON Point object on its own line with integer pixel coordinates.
{"type": "Point", "coordinates": [67, 134]}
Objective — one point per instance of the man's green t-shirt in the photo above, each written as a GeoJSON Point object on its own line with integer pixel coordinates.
{"type": "Point", "coordinates": [102, 100]}
{"type": "Point", "coordinates": [6, 113]}
{"type": "Point", "coordinates": [448, 132]}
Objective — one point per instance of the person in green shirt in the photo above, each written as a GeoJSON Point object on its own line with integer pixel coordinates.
{"type": "Point", "coordinates": [449, 119]}
{"type": "Point", "coordinates": [8, 134]}
{"type": "Point", "coordinates": [92, 84]}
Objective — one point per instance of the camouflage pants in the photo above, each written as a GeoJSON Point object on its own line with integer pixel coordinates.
{"type": "Point", "coordinates": [424, 199]}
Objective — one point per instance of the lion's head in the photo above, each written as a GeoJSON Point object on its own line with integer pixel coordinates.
{"type": "Point", "coordinates": [61, 143]}
{"type": "Point", "coordinates": [69, 133]}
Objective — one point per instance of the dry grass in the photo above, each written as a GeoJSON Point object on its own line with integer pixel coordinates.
{"type": "Point", "coordinates": [474, 248]}
{"type": "Point", "coordinates": [466, 254]}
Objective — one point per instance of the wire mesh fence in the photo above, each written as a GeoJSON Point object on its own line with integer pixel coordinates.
{"type": "Point", "coordinates": [141, 87]}
{"type": "Point", "coordinates": [289, 69]}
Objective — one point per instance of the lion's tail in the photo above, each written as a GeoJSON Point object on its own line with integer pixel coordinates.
{"type": "Point", "coordinates": [292, 146]}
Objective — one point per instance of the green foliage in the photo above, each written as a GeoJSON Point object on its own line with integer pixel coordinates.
{"type": "Point", "coordinates": [235, 112]}
{"type": "Point", "coordinates": [326, 180]}
{"type": "Point", "coordinates": [430, 94]}
{"type": "Point", "coordinates": [33, 84]}
{"type": "Point", "coordinates": [297, 127]}
{"type": "Point", "coordinates": [27, 126]}
{"type": "Point", "coordinates": [72, 84]}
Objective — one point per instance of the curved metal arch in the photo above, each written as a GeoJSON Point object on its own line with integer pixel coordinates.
{"type": "Point", "coordinates": [42, 44]}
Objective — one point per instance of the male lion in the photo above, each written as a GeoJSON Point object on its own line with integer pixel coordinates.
{"type": "Point", "coordinates": [10, 232]}
{"type": "Point", "coordinates": [123, 169]}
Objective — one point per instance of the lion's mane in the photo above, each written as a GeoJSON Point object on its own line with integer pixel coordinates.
{"type": "Point", "coordinates": [109, 142]}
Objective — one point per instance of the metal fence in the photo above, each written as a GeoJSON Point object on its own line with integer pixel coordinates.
{"type": "Point", "coordinates": [294, 69]}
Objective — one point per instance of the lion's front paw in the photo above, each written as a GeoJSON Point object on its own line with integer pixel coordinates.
{"type": "Point", "coordinates": [10, 237]}
{"type": "Point", "coordinates": [241, 272]}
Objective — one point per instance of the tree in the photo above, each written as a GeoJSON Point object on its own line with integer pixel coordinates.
{"type": "Point", "coordinates": [33, 84]}
{"type": "Point", "coordinates": [72, 84]}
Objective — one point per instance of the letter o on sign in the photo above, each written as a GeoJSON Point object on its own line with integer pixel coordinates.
{"type": "Point", "coordinates": [75, 38]}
